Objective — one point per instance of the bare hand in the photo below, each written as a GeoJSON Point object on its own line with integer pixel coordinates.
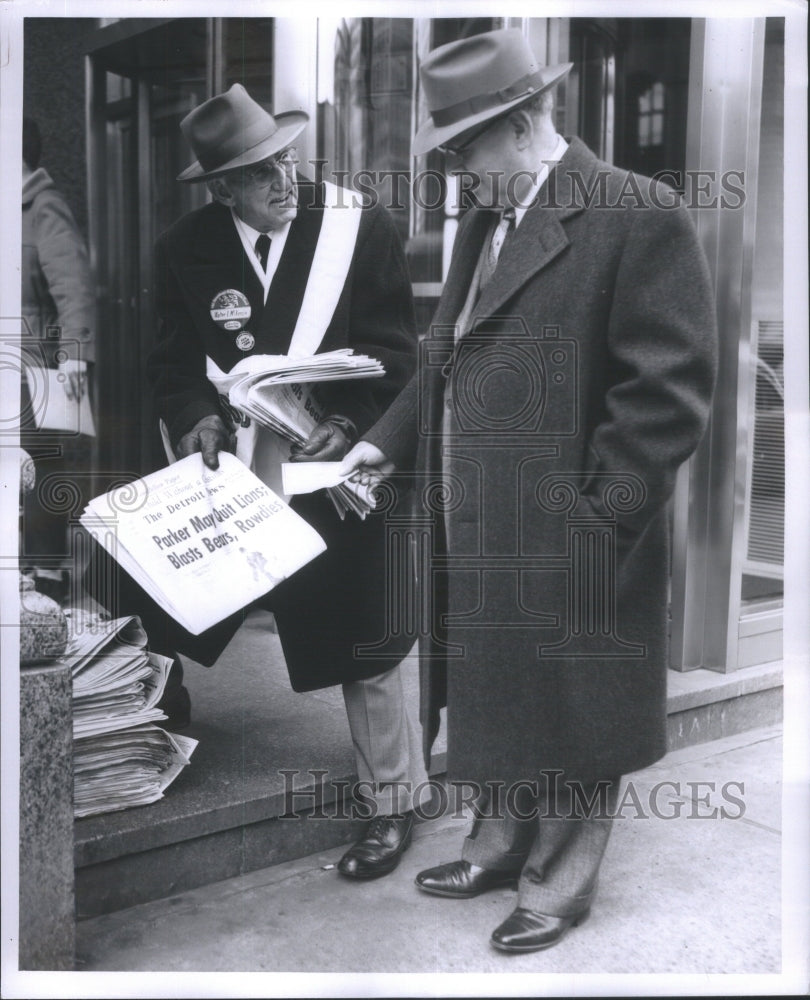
{"type": "Point", "coordinates": [209, 436]}
{"type": "Point", "coordinates": [367, 464]}
{"type": "Point", "coordinates": [73, 376]}
{"type": "Point", "coordinates": [75, 385]}
{"type": "Point", "coordinates": [327, 443]}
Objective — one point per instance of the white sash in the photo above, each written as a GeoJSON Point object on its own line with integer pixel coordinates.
{"type": "Point", "coordinates": [330, 265]}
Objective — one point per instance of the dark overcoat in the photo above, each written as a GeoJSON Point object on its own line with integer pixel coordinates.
{"type": "Point", "coordinates": [555, 427]}
{"type": "Point", "coordinates": [337, 602]}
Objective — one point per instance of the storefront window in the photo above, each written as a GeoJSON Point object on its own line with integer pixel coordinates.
{"type": "Point", "coordinates": [147, 77]}
{"type": "Point", "coordinates": [369, 107]}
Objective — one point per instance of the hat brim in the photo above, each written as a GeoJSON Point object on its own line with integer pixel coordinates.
{"type": "Point", "coordinates": [290, 125]}
{"type": "Point", "coordinates": [429, 136]}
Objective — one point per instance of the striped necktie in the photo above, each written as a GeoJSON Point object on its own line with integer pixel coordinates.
{"type": "Point", "coordinates": [263, 249]}
{"type": "Point", "coordinates": [502, 230]}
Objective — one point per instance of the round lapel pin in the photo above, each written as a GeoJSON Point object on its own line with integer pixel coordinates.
{"type": "Point", "coordinates": [245, 341]}
{"type": "Point", "coordinates": [230, 310]}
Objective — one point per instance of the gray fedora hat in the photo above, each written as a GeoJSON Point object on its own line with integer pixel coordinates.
{"type": "Point", "coordinates": [469, 81]}
{"type": "Point", "coordinates": [232, 130]}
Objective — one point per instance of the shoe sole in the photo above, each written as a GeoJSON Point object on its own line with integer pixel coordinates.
{"type": "Point", "coordinates": [380, 872]}
{"type": "Point", "coordinates": [446, 894]}
{"type": "Point", "coordinates": [525, 949]}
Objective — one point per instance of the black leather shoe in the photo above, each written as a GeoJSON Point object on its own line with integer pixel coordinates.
{"type": "Point", "coordinates": [461, 880]}
{"type": "Point", "coordinates": [526, 930]}
{"type": "Point", "coordinates": [380, 851]}
{"type": "Point", "coordinates": [176, 701]}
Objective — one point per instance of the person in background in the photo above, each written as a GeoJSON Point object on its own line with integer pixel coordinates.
{"type": "Point", "coordinates": [58, 331]}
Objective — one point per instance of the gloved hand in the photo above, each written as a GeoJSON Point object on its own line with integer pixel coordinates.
{"type": "Point", "coordinates": [329, 442]}
{"type": "Point", "coordinates": [210, 436]}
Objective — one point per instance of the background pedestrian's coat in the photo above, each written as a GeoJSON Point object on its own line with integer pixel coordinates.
{"type": "Point", "coordinates": [584, 384]}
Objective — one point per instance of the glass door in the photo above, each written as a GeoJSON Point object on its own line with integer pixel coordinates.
{"type": "Point", "coordinates": [144, 78]}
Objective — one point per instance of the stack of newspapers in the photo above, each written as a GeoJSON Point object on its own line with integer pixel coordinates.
{"type": "Point", "coordinates": [120, 757]}
{"type": "Point", "coordinates": [277, 391]}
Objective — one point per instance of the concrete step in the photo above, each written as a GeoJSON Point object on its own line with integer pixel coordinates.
{"type": "Point", "coordinates": [264, 751]}
{"type": "Point", "coordinates": [661, 908]}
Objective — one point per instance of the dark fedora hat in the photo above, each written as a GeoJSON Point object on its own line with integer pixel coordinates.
{"type": "Point", "coordinates": [477, 78]}
{"type": "Point", "coordinates": [232, 130]}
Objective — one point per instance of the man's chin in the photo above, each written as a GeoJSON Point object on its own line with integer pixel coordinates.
{"type": "Point", "coordinates": [283, 213]}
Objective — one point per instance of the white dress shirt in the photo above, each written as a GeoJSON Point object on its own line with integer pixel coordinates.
{"type": "Point", "coordinates": [248, 235]}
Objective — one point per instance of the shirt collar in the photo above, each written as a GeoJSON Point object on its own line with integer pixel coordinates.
{"type": "Point", "coordinates": [542, 174]}
{"type": "Point", "coordinates": [248, 236]}
{"type": "Point", "coordinates": [249, 233]}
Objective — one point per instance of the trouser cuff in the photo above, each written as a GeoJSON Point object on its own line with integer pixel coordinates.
{"type": "Point", "coordinates": [539, 899]}
{"type": "Point", "coordinates": [475, 853]}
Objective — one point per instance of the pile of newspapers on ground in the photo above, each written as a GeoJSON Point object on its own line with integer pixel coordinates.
{"type": "Point", "coordinates": [121, 758]}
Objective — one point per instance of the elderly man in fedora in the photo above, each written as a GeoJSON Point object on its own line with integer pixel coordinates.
{"type": "Point", "coordinates": [295, 270]}
{"type": "Point", "coordinates": [567, 375]}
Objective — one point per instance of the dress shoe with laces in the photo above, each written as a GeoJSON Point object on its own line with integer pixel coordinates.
{"type": "Point", "coordinates": [381, 850]}
{"type": "Point", "coordinates": [461, 880]}
{"type": "Point", "coordinates": [525, 930]}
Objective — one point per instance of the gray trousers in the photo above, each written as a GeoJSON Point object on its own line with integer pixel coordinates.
{"type": "Point", "coordinates": [387, 745]}
{"type": "Point", "coordinates": [553, 846]}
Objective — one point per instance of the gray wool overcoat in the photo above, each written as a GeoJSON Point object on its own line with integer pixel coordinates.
{"type": "Point", "coordinates": [545, 443]}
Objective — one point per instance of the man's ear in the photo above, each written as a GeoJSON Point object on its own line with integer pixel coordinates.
{"type": "Point", "coordinates": [220, 191]}
{"type": "Point", "coordinates": [522, 125]}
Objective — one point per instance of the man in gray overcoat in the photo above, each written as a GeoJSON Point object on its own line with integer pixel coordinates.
{"type": "Point", "coordinates": [567, 374]}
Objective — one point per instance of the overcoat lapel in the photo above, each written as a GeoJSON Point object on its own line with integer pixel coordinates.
{"type": "Point", "coordinates": [541, 235]}
{"type": "Point", "coordinates": [537, 241]}
{"type": "Point", "coordinates": [218, 261]}
{"type": "Point", "coordinates": [289, 284]}
{"type": "Point", "coordinates": [462, 266]}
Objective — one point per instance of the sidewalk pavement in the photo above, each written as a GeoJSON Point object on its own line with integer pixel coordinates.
{"type": "Point", "coordinates": [692, 894]}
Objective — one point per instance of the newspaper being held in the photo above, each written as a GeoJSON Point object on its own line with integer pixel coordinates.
{"type": "Point", "coordinates": [52, 408]}
{"type": "Point", "coordinates": [126, 767]}
{"type": "Point", "coordinates": [306, 477]}
{"type": "Point", "coordinates": [276, 391]}
{"type": "Point", "coordinates": [202, 543]}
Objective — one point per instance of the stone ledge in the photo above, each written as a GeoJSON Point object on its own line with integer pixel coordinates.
{"type": "Point", "coordinates": [702, 687]}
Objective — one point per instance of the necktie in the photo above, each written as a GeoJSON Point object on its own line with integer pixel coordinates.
{"type": "Point", "coordinates": [263, 249]}
{"type": "Point", "coordinates": [502, 230]}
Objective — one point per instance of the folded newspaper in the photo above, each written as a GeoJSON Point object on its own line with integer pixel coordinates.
{"type": "Point", "coordinates": [120, 757]}
{"type": "Point", "coordinates": [275, 391]}
{"type": "Point", "coordinates": [202, 543]}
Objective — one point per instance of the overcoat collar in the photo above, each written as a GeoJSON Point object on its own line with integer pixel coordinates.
{"type": "Point", "coordinates": [219, 257]}
{"type": "Point", "coordinates": [540, 237]}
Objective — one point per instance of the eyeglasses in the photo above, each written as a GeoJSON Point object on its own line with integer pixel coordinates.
{"type": "Point", "coordinates": [457, 148]}
{"type": "Point", "coordinates": [262, 174]}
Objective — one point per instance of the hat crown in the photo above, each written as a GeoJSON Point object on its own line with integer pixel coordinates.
{"type": "Point", "coordinates": [480, 64]}
{"type": "Point", "coordinates": [469, 81]}
{"type": "Point", "coordinates": [226, 126]}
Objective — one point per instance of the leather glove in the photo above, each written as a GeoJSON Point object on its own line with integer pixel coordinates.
{"type": "Point", "coordinates": [209, 436]}
{"type": "Point", "coordinates": [329, 442]}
